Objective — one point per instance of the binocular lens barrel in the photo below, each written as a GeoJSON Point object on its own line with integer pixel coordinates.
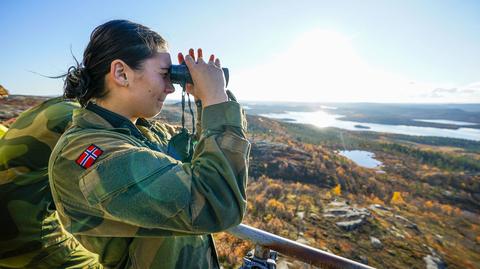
{"type": "Point", "coordinates": [179, 74]}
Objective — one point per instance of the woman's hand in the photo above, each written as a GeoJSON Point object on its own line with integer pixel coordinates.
{"type": "Point", "coordinates": [208, 78]}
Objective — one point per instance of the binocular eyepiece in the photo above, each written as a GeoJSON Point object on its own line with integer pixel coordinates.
{"type": "Point", "coordinates": [179, 74]}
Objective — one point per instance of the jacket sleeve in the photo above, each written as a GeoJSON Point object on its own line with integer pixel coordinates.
{"type": "Point", "coordinates": [150, 190]}
{"type": "Point", "coordinates": [198, 124]}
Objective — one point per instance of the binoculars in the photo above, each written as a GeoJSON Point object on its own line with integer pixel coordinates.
{"type": "Point", "coordinates": [179, 74]}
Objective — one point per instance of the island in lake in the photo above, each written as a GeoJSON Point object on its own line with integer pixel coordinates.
{"type": "Point", "coordinates": [358, 126]}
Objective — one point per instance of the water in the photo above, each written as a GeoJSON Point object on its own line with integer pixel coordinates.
{"type": "Point", "coordinates": [362, 158]}
{"type": "Point", "coordinates": [454, 122]}
{"type": "Point", "coordinates": [323, 119]}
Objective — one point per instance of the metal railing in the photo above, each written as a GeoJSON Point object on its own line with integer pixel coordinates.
{"type": "Point", "coordinates": [294, 249]}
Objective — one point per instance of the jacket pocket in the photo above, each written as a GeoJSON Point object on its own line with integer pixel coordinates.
{"type": "Point", "coordinates": [120, 171]}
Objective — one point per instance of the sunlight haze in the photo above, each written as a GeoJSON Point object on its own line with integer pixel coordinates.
{"type": "Point", "coordinates": [323, 66]}
{"type": "Point", "coordinates": [310, 51]}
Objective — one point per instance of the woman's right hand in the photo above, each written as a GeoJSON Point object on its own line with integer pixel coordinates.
{"type": "Point", "coordinates": [208, 78]}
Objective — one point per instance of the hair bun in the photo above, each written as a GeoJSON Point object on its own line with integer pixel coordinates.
{"type": "Point", "coordinates": [76, 82]}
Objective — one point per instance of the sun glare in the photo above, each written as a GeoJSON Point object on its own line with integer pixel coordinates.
{"type": "Point", "coordinates": [323, 66]}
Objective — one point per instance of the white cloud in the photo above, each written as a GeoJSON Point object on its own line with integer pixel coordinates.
{"type": "Point", "coordinates": [323, 66]}
{"type": "Point", "coordinates": [468, 93]}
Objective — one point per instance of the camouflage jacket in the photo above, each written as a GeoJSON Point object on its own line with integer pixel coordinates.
{"type": "Point", "coordinates": [140, 208]}
{"type": "Point", "coordinates": [30, 233]}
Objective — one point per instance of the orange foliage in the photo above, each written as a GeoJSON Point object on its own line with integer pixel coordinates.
{"type": "Point", "coordinates": [337, 190]}
{"type": "Point", "coordinates": [275, 205]}
{"type": "Point", "coordinates": [344, 246]}
{"type": "Point", "coordinates": [375, 200]}
{"type": "Point", "coordinates": [231, 249]}
{"type": "Point", "coordinates": [447, 209]}
{"type": "Point", "coordinates": [457, 211]}
{"type": "Point", "coordinates": [429, 204]}
{"type": "Point", "coordinates": [274, 190]}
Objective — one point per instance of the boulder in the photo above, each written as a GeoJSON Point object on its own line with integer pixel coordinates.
{"type": "Point", "coordinates": [434, 262]}
{"type": "Point", "coordinates": [376, 243]}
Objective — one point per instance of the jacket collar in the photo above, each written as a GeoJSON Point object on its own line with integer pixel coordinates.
{"type": "Point", "coordinates": [97, 117]}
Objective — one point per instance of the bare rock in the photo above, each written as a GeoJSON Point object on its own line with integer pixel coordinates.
{"type": "Point", "coordinates": [434, 262]}
{"type": "Point", "coordinates": [408, 223]}
{"type": "Point", "coordinates": [348, 217]}
{"type": "Point", "coordinates": [350, 225]}
{"type": "Point", "coordinates": [376, 243]}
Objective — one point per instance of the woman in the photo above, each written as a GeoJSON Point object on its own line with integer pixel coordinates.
{"type": "Point", "coordinates": [115, 187]}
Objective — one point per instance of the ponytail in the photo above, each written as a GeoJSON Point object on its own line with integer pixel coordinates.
{"type": "Point", "coordinates": [76, 84]}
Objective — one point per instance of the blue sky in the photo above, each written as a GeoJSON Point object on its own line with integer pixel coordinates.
{"type": "Point", "coordinates": [315, 51]}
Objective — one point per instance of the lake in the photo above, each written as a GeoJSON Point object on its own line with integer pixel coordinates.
{"type": "Point", "coordinates": [448, 122]}
{"type": "Point", "coordinates": [323, 119]}
{"type": "Point", "coordinates": [362, 158]}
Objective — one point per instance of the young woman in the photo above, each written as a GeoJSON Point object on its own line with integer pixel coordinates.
{"type": "Point", "coordinates": [115, 187]}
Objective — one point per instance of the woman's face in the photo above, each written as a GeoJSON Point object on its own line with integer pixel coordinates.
{"type": "Point", "coordinates": [151, 85]}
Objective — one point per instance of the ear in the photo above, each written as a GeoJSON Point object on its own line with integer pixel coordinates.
{"type": "Point", "coordinates": [119, 73]}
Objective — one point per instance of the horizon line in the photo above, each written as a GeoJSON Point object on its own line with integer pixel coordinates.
{"type": "Point", "coordinates": [300, 102]}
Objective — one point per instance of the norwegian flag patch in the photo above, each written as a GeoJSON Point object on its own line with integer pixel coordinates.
{"type": "Point", "coordinates": [89, 156]}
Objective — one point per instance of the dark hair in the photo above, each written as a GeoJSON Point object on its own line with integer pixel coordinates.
{"type": "Point", "coordinates": [117, 39]}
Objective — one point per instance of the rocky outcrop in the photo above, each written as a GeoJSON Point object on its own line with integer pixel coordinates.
{"type": "Point", "coordinates": [347, 217]}
{"type": "Point", "coordinates": [284, 161]}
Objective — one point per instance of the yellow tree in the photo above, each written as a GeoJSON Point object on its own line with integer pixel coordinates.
{"type": "Point", "coordinates": [397, 198]}
{"type": "Point", "coordinates": [337, 190]}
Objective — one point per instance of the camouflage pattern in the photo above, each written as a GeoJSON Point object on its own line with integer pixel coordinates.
{"type": "Point", "coordinates": [140, 208]}
{"type": "Point", "coordinates": [3, 130]}
{"type": "Point", "coordinates": [31, 235]}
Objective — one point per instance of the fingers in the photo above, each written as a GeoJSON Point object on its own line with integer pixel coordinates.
{"type": "Point", "coordinates": [180, 57]}
{"type": "Point", "coordinates": [191, 56]}
{"type": "Point", "coordinates": [189, 60]}
{"type": "Point", "coordinates": [191, 52]}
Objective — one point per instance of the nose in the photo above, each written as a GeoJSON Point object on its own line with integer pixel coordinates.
{"type": "Point", "coordinates": [169, 89]}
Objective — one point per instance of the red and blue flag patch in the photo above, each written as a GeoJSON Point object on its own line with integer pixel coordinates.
{"type": "Point", "coordinates": [89, 156]}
